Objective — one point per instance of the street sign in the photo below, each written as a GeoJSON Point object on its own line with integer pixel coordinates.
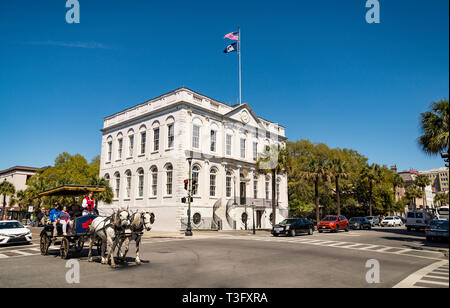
{"type": "Point", "coordinates": [30, 209]}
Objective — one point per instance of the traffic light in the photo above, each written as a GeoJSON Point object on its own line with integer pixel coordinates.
{"type": "Point", "coordinates": [445, 157]}
{"type": "Point", "coordinates": [194, 187]}
{"type": "Point", "coordinates": [186, 184]}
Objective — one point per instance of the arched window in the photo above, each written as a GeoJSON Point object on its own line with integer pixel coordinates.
{"type": "Point", "coordinates": [154, 185]}
{"type": "Point", "coordinates": [128, 184]}
{"type": "Point", "coordinates": [169, 179]}
{"type": "Point", "coordinates": [107, 178]}
{"type": "Point", "coordinates": [212, 182]}
{"type": "Point", "coordinates": [143, 133]}
{"type": "Point", "coordinates": [117, 187]}
{"type": "Point", "coordinates": [228, 184]}
{"type": "Point", "coordinates": [196, 176]}
{"type": "Point", "coordinates": [140, 187]}
{"type": "Point", "coordinates": [267, 187]}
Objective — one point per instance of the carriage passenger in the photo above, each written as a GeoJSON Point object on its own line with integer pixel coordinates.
{"type": "Point", "coordinates": [64, 220]}
{"type": "Point", "coordinates": [53, 218]}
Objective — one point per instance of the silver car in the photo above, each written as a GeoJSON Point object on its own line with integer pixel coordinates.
{"type": "Point", "coordinates": [374, 220]}
{"type": "Point", "coordinates": [437, 229]}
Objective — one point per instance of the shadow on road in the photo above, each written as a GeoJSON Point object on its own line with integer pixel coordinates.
{"type": "Point", "coordinates": [417, 238]}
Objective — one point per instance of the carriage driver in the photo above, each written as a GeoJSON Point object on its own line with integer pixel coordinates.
{"type": "Point", "coordinates": [88, 205]}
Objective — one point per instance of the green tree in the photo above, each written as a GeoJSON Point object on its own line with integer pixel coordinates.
{"type": "Point", "coordinates": [338, 170]}
{"type": "Point", "coordinates": [435, 128]}
{"type": "Point", "coordinates": [423, 181]}
{"type": "Point", "coordinates": [397, 181]}
{"type": "Point", "coordinates": [371, 175]}
{"type": "Point", "coordinates": [412, 193]}
{"type": "Point", "coordinates": [441, 199]}
{"type": "Point", "coordinates": [6, 189]}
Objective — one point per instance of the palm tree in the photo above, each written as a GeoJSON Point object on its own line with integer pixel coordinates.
{"type": "Point", "coordinates": [373, 176]}
{"type": "Point", "coordinates": [441, 199]}
{"type": "Point", "coordinates": [6, 189]}
{"type": "Point", "coordinates": [316, 169]}
{"type": "Point", "coordinates": [397, 181]}
{"type": "Point", "coordinates": [338, 169]}
{"type": "Point", "coordinates": [106, 196]}
{"type": "Point", "coordinates": [413, 192]}
{"type": "Point", "coordinates": [435, 128]}
{"type": "Point", "coordinates": [423, 181]}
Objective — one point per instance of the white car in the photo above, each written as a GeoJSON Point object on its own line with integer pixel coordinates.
{"type": "Point", "coordinates": [13, 232]}
{"type": "Point", "coordinates": [391, 221]}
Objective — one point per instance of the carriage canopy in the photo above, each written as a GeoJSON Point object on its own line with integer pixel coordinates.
{"type": "Point", "coordinates": [72, 190]}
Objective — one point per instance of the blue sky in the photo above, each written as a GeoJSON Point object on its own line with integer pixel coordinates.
{"type": "Point", "coordinates": [315, 67]}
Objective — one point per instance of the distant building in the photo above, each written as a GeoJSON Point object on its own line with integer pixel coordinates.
{"type": "Point", "coordinates": [18, 176]}
{"type": "Point", "coordinates": [439, 179]}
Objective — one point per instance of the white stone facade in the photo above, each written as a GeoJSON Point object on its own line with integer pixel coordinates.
{"type": "Point", "coordinates": [145, 151]}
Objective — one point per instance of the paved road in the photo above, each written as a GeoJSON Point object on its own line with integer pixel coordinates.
{"type": "Point", "coordinates": [241, 260]}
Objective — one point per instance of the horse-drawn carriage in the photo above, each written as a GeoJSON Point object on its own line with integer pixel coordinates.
{"type": "Point", "coordinates": [79, 233]}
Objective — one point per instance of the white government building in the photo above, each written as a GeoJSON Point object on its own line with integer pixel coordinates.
{"type": "Point", "coordinates": [145, 151]}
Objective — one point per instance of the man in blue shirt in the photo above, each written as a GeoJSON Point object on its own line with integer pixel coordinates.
{"type": "Point", "coordinates": [54, 214]}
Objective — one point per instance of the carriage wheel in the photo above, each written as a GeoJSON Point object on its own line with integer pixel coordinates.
{"type": "Point", "coordinates": [64, 250]}
{"type": "Point", "coordinates": [44, 243]}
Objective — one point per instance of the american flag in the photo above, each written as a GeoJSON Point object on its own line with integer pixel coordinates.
{"type": "Point", "coordinates": [234, 36]}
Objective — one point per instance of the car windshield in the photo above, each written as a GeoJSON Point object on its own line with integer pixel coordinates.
{"type": "Point", "coordinates": [389, 218]}
{"type": "Point", "coordinates": [356, 219]}
{"type": "Point", "coordinates": [10, 225]}
{"type": "Point", "coordinates": [411, 215]}
{"type": "Point", "coordinates": [443, 213]}
{"type": "Point", "coordinates": [288, 221]}
{"type": "Point", "coordinates": [330, 218]}
{"type": "Point", "coordinates": [440, 224]}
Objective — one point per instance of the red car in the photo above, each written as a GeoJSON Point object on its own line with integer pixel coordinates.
{"type": "Point", "coordinates": [333, 223]}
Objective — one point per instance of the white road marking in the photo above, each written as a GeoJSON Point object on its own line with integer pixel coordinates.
{"type": "Point", "coordinates": [21, 252]}
{"type": "Point", "coordinates": [2, 256]}
{"type": "Point", "coordinates": [434, 282]}
{"type": "Point", "coordinates": [417, 277]}
{"type": "Point", "coordinates": [436, 277]}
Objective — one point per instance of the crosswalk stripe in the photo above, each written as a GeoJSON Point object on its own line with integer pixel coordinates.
{"type": "Point", "coordinates": [352, 245]}
{"type": "Point", "coordinates": [2, 256]}
{"type": "Point", "coordinates": [24, 253]}
{"type": "Point", "coordinates": [402, 251]}
{"type": "Point", "coordinates": [434, 282]}
{"type": "Point", "coordinates": [383, 249]}
{"type": "Point", "coordinates": [436, 277]}
{"type": "Point", "coordinates": [369, 247]}
{"type": "Point", "coordinates": [336, 244]}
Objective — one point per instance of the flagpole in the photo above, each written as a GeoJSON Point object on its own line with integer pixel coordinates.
{"type": "Point", "coordinates": [240, 68]}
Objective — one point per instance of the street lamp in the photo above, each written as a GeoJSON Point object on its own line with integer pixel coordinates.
{"type": "Point", "coordinates": [254, 228]}
{"type": "Point", "coordinates": [189, 228]}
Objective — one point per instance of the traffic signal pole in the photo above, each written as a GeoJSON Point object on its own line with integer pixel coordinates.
{"type": "Point", "coordinates": [189, 228]}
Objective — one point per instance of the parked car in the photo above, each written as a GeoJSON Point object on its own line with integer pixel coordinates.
{"type": "Point", "coordinates": [391, 221]}
{"type": "Point", "coordinates": [437, 230]}
{"type": "Point", "coordinates": [374, 220]}
{"type": "Point", "coordinates": [293, 227]}
{"type": "Point", "coordinates": [442, 213]}
{"type": "Point", "coordinates": [417, 220]}
{"type": "Point", "coordinates": [13, 232]}
{"type": "Point", "coordinates": [360, 223]}
{"type": "Point", "coordinates": [333, 223]}
{"type": "Point", "coordinates": [403, 219]}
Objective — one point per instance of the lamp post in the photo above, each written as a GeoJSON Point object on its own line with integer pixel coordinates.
{"type": "Point", "coordinates": [189, 228]}
{"type": "Point", "coordinates": [254, 228]}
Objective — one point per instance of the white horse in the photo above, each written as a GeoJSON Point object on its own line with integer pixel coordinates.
{"type": "Point", "coordinates": [139, 222]}
{"type": "Point", "coordinates": [108, 229]}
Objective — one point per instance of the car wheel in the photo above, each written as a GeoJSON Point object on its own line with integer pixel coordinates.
{"type": "Point", "coordinates": [310, 231]}
{"type": "Point", "coordinates": [346, 229]}
{"type": "Point", "coordinates": [293, 233]}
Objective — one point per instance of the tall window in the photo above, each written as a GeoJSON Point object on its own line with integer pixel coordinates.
{"type": "Point", "coordinates": [119, 148]}
{"type": "Point", "coordinates": [106, 177]}
{"type": "Point", "coordinates": [196, 137]}
{"type": "Point", "coordinates": [156, 140]}
{"type": "Point", "coordinates": [242, 148]}
{"type": "Point", "coordinates": [154, 181]}
{"type": "Point", "coordinates": [255, 151]}
{"type": "Point", "coordinates": [143, 140]}
{"type": "Point", "coordinates": [130, 145]}
{"type": "Point", "coordinates": [117, 185]}
{"type": "Point", "coordinates": [212, 182]}
{"type": "Point", "coordinates": [169, 178]}
{"type": "Point", "coordinates": [267, 188]}
{"type": "Point", "coordinates": [255, 187]}
{"type": "Point", "coordinates": [128, 178]}
{"type": "Point", "coordinates": [170, 136]}
{"type": "Point", "coordinates": [140, 183]}
{"type": "Point", "coordinates": [228, 141]}
{"type": "Point", "coordinates": [195, 176]}
{"type": "Point", "coordinates": [213, 140]}
{"type": "Point", "coordinates": [228, 184]}
{"type": "Point", "coordinates": [109, 150]}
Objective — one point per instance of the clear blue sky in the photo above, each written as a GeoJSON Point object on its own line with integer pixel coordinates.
{"type": "Point", "coordinates": [315, 67]}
